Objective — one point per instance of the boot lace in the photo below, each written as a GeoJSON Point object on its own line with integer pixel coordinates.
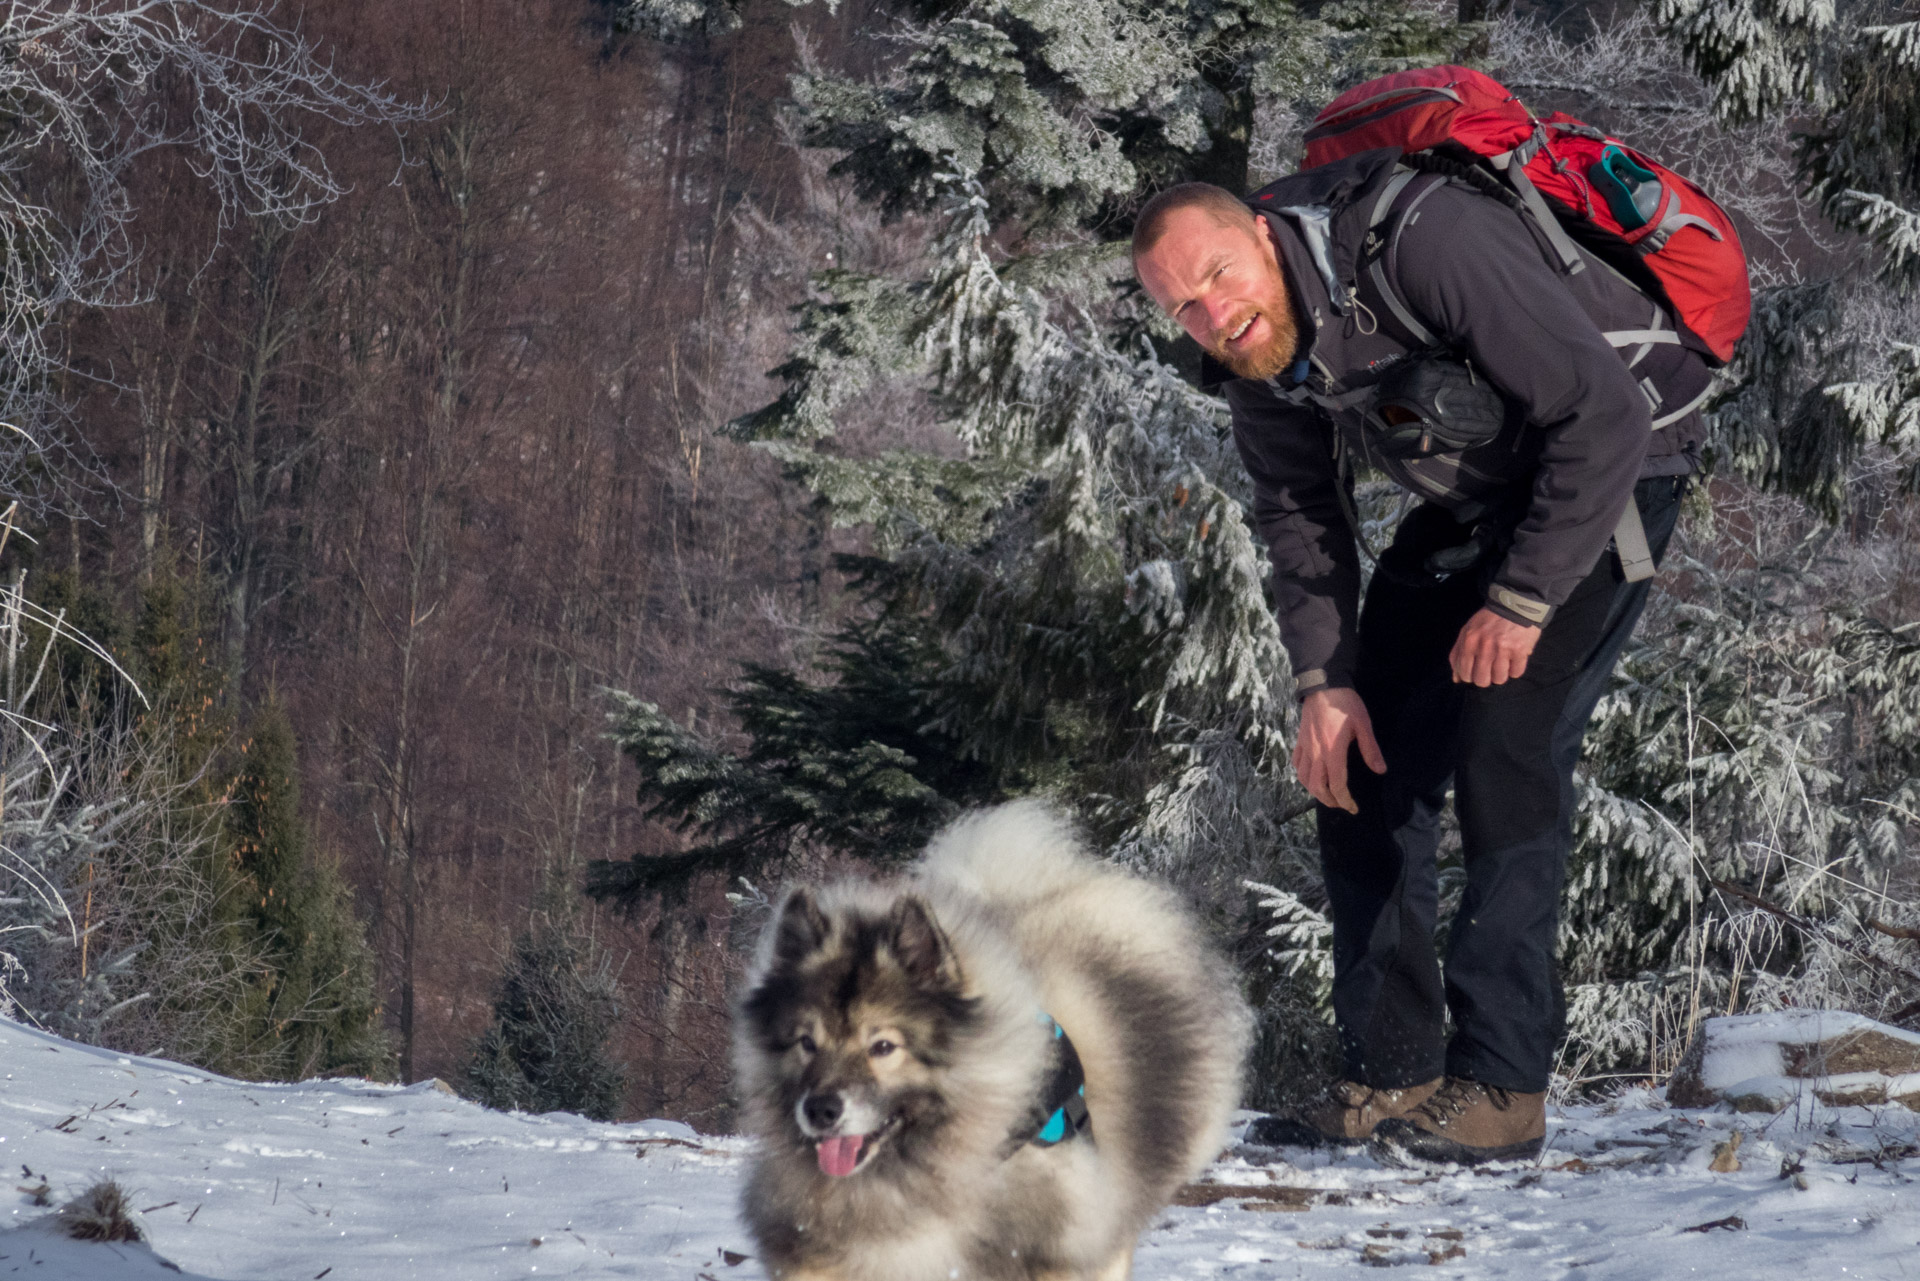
{"type": "Point", "coordinates": [1456, 1095]}
{"type": "Point", "coordinates": [1349, 1094]}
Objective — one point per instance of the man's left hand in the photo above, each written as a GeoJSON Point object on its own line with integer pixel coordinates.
{"type": "Point", "coordinates": [1492, 650]}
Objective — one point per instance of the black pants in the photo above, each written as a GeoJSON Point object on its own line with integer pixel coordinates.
{"type": "Point", "coordinates": [1509, 751]}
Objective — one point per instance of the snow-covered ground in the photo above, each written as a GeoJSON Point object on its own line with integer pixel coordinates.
{"type": "Point", "coordinates": [350, 1181]}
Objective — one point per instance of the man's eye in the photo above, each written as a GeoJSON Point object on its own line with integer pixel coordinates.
{"type": "Point", "coordinates": [880, 1049]}
{"type": "Point", "coordinates": [806, 1043]}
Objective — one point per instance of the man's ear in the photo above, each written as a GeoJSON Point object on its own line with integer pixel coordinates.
{"type": "Point", "coordinates": [801, 930]}
{"type": "Point", "coordinates": [920, 945]}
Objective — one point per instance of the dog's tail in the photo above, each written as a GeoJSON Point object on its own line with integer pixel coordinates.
{"type": "Point", "coordinates": [1020, 852]}
{"type": "Point", "coordinates": [1126, 969]}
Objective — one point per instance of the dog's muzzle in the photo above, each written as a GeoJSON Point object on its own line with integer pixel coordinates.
{"type": "Point", "coordinates": [843, 1129]}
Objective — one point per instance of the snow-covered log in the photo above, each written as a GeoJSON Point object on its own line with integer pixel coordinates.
{"type": "Point", "coordinates": [1768, 1062]}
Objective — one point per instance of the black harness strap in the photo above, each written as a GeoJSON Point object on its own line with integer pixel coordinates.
{"type": "Point", "coordinates": [1059, 1111]}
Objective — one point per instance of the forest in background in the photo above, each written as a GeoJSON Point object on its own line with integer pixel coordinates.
{"type": "Point", "coordinates": [432, 467]}
{"type": "Point", "coordinates": [402, 487]}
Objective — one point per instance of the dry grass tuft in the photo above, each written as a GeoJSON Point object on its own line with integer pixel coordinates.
{"type": "Point", "coordinates": [101, 1213]}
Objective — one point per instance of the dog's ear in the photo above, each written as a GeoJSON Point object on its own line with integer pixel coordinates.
{"type": "Point", "coordinates": [920, 945]}
{"type": "Point", "coordinates": [802, 929]}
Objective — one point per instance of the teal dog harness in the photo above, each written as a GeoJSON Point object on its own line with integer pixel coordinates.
{"type": "Point", "coordinates": [1060, 1112]}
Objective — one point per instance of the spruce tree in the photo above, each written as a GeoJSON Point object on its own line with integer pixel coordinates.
{"type": "Point", "coordinates": [188, 731]}
{"type": "Point", "coordinates": [1083, 567]}
{"type": "Point", "coordinates": [208, 931]}
{"type": "Point", "coordinates": [844, 762]}
{"type": "Point", "coordinates": [318, 1011]}
{"type": "Point", "coordinates": [1088, 586]}
{"type": "Point", "coordinates": [557, 1005]}
{"type": "Point", "coordinates": [1091, 596]}
{"type": "Point", "coordinates": [1828, 368]}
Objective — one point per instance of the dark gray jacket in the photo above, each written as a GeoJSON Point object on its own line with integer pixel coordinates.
{"type": "Point", "coordinates": [1482, 278]}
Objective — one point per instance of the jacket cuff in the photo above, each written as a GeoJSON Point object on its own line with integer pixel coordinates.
{"type": "Point", "coordinates": [1517, 607]}
{"type": "Point", "coordinates": [1316, 679]}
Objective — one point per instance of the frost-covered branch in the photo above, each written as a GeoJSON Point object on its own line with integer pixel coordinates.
{"type": "Point", "coordinates": [91, 87]}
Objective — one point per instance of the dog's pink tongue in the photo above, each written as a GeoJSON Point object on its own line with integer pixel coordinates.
{"type": "Point", "coordinates": [839, 1155]}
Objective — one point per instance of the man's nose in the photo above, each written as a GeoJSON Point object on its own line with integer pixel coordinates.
{"type": "Point", "coordinates": [1216, 312]}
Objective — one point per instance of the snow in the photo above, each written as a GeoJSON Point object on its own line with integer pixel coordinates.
{"type": "Point", "coordinates": [351, 1180]}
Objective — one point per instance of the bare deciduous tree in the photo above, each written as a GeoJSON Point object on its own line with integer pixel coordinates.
{"type": "Point", "coordinates": [90, 87]}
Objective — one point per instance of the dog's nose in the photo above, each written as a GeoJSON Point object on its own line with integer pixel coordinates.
{"type": "Point", "coordinates": [823, 1110]}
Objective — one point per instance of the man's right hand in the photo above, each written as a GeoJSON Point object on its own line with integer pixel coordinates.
{"type": "Point", "coordinates": [1330, 720]}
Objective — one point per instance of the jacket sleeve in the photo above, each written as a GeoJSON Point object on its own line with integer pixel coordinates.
{"type": "Point", "coordinates": [1316, 586]}
{"type": "Point", "coordinates": [1472, 269]}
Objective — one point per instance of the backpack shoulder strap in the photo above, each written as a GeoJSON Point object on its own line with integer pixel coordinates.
{"type": "Point", "coordinates": [1380, 252]}
{"type": "Point", "coordinates": [1514, 165]}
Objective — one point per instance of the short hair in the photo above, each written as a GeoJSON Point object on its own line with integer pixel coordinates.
{"type": "Point", "coordinates": [1222, 205]}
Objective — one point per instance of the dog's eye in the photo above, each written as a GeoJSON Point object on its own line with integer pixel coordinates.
{"type": "Point", "coordinates": [806, 1043]}
{"type": "Point", "coordinates": [880, 1049]}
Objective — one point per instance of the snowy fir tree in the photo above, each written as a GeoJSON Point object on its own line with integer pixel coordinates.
{"type": "Point", "coordinates": [1848, 76]}
{"type": "Point", "coordinates": [1093, 596]}
{"type": "Point", "coordinates": [1090, 597]}
{"type": "Point", "coordinates": [557, 1005]}
{"type": "Point", "coordinates": [1747, 796]}
{"type": "Point", "coordinates": [845, 763]}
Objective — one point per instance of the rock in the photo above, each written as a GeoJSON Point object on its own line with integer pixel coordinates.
{"type": "Point", "coordinates": [1765, 1062]}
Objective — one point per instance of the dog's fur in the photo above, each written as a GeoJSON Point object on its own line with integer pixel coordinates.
{"type": "Point", "coordinates": [1004, 922]}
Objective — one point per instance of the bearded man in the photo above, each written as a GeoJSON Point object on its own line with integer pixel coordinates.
{"type": "Point", "coordinates": [1548, 420]}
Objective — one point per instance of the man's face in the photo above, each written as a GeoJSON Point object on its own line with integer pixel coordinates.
{"type": "Point", "coordinates": [1223, 284]}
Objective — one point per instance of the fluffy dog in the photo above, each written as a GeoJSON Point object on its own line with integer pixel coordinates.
{"type": "Point", "coordinates": [910, 1057]}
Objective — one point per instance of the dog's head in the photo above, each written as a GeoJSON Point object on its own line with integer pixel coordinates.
{"type": "Point", "coordinates": [854, 1017]}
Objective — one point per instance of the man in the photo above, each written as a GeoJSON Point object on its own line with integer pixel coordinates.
{"type": "Point", "coordinates": [1490, 624]}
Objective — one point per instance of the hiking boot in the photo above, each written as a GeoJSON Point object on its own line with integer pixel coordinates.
{"type": "Point", "coordinates": [1345, 1112]}
{"type": "Point", "coordinates": [1466, 1123]}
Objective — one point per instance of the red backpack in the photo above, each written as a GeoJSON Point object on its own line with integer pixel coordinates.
{"type": "Point", "coordinates": [1685, 241]}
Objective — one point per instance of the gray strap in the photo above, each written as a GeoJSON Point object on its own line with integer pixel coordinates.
{"type": "Point", "coordinates": [1421, 334]}
{"type": "Point", "coordinates": [1537, 206]}
{"type": "Point", "coordinates": [1646, 338]}
{"type": "Point", "coordinates": [1377, 270]}
{"type": "Point", "coordinates": [1630, 544]}
{"type": "Point", "coordinates": [1395, 185]}
{"type": "Point", "coordinates": [1403, 91]}
{"type": "Point", "coordinates": [1657, 241]}
{"type": "Point", "coordinates": [1677, 414]}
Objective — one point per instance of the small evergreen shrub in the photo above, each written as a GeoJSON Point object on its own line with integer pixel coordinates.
{"type": "Point", "coordinates": [558, 1004]}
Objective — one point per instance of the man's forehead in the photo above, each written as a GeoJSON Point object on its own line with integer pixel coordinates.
{"type": "Point", "coordinates": [1197, 232]}
{"type": "Point", "coordinates": [1193, 241]}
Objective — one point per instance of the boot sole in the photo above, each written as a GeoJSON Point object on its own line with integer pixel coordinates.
{"type": "Point", "coordinates": [1403, 1143]}
{"type": "Point", "coordinates": [1283, 1132]}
